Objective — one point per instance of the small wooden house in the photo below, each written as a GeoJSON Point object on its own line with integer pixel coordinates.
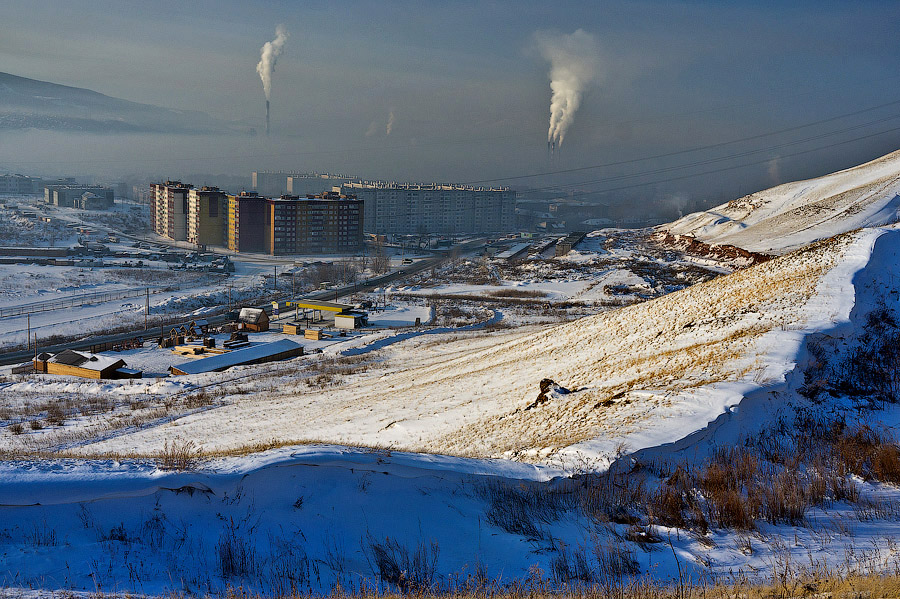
{"type": "Point", "coordinates": [85, 365]}
{"type": "Point", "coordinates": [253, 319]}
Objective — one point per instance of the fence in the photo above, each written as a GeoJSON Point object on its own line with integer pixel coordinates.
{"type": "Point", "coordinates": [83, 299]}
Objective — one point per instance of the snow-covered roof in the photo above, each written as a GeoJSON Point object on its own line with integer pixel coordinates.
{"type": "Point", "coordinates": [513, 251]}
{"type": "Point", "coordinates": [251, 315]}
{"type": "Point", "coordinates": [238, 357]}
{"type": "Point", "coordinates": [85, 360]}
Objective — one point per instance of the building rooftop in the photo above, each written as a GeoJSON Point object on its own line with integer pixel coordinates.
{"type": "Point", "coordinates": [419, 186]}
{"type": "Point", "coordinates": [84, 360]}
{"type": "Point", "coordinates": [239, 356]}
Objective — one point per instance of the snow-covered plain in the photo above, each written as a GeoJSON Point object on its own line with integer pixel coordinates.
{"type": "Point", "coordinates": [420, 452]}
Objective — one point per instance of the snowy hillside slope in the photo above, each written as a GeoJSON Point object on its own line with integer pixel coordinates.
{"type": "Point", "coordinates": [792, 215]}
{"type": "Point", "coordinates": [644, 375]}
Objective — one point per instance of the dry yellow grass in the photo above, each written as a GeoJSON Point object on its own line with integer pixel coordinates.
{"type": "Point", "coordinates": [465, 394]}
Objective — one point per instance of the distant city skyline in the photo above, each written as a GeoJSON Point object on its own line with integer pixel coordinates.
{"type": "Point", "coordinates": [460, 91]}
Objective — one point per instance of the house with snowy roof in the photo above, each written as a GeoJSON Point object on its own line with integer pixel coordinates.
{"type": "Point", "coordinates": [83, 364]}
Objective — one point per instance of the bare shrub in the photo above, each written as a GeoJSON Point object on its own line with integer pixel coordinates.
{"type": "Point", "coordinates": [615, 560]}
{"type": "Point", "coordinates": [521, 509]}
{"type": "Point", "coordinates": [56, 415]}
{"type": "Point", "coordinates": [179, 455]}
{"type": "Point", "coordinates": [395, 564]}
{"type": "Point", "coordinates": [571, 568]}
{"type": "Point", "coordinates": [290, 570]}
{"type": "Point", "coordinates": [41, 535]}
{"type": "Point", "coordinates": [235, 556]}
{"type": "Point", "coordinates": [16, 428]}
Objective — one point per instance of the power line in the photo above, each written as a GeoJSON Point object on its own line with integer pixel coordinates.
{"type": "Point", "coordinates": [685, 151]}
{"type": "Point", "coordinates": [723, 169]}
{"type": "Point", "coordinates": [727, 157]}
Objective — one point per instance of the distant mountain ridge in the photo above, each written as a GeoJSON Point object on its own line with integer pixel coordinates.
{"type": "Point", "coordinates": [33, 104]}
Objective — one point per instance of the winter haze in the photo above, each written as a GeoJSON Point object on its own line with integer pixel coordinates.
{"type": "Point", "coordinates": [462, 91]}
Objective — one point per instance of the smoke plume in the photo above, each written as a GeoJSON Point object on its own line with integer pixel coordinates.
{"type": "Point", "coordinates": [390, 123]}
{"type": "Point", "coordinates": [269, 54]}
{"type": "Point", "coordinates": [574, 59]}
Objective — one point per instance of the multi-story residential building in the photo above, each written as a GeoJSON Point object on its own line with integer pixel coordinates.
{"type": "Point", "coordinates": [271, 184]}
{"type": "Point", "coordinates": [20, 184]}
{"type": "Point", "coordinates": [169, 209]}
{"type": "Point", "coordinates": [328, 223]}
{"type": "Point", "coordinates": [207, 216]}
{"type": "Point", "coordinates": [70, 194]}
{"type": "Point", "coordinates": [248, 226]}
{"type": "Point", "coordinates": [393, 208]}
{"type": "Point", "coordinates": [313, 184]}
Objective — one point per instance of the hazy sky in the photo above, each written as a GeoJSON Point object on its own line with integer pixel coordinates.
{"type": "Point", "coordinates": [468, 86]}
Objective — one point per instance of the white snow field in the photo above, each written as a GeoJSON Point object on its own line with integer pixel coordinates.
{"type": "Point", "coordinates": [792, 215]}
{"type": "Point", "coordinates": [431, 456]}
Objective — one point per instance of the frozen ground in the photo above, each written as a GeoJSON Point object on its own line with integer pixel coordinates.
{"type": "Point", "coordinates": [474, 476]}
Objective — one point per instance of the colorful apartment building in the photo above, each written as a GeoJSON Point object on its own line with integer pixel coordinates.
{"type": "Point", "coordinates": [207, 217]}
{"type": "Point", "coordinates": [248, 226]}
{"type": "Point", "coordinates": [329, 223]}
{"type": "Point", "coordinates": [169, 209]}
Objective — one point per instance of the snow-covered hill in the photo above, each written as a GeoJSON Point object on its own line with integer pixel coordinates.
{"type": "Point", "coordinates": [651, 391]}
{"type": "Point", "coordinates": [792, 215]}
{"type": "Point", "coordinates": [641, 376]}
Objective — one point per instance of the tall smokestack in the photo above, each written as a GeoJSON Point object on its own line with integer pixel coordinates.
{"type": "Point", "coordinates": [574, 61]}
{"type": "Point", "coordinates": [268, 56]}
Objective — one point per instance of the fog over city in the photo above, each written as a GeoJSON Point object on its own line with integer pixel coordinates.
{"type": "Point", "coordinates": [464, 92]}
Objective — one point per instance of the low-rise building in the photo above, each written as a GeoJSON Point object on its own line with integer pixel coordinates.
{"type": "Point", "coordinates": [84, 365]}
{"type": "Point", "coordinates": [254, 320]}
{"type": "Point", "coordinates": [71, 195]}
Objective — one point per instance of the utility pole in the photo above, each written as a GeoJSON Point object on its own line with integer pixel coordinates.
{"type": "Point", "coordinates": [28, 334]}
{"type": "Point", "coordinates": [147, 309]}
{"type": "Point", "coordinates": [275, 280]}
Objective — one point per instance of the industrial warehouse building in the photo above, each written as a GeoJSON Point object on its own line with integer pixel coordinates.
{"type": "Point", "coordinates": [258, 354]}
{"type": "Point", "coordinates": [409, 209]}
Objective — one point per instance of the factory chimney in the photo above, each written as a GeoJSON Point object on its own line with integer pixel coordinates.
{"type": "Point", "coordinates": [267, 118]}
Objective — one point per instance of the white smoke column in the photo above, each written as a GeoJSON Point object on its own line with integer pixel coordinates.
{"type": "Point", "coordinates": [390, 123]}
{"type": "Point", "coordinates": [269, 54]}
{"type": "Point", "coordinates": [573, 59]}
